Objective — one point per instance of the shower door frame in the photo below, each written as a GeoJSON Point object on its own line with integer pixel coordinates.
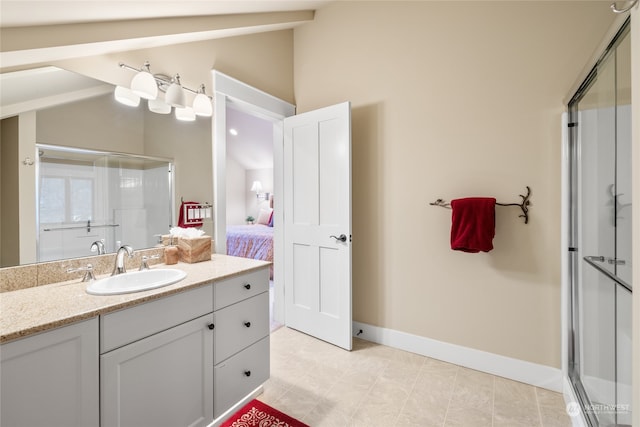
{"type": "Point", "coordinates": [573, 158]}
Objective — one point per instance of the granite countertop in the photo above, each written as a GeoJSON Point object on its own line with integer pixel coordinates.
{"type": "Point", "coordinates": [28, 311]}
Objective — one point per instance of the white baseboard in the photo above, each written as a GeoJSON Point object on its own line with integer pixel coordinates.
{"type": "Point", "coordinates": [507, 367]}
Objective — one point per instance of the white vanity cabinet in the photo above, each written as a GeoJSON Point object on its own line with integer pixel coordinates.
{"type": "Point", "coordinates": [51, 379]}
{"type": "Point", "coordinates": [241, 337]}
{"type": "Point", "coordinates": [156, 362]}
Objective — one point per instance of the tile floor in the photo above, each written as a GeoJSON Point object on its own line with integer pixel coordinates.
{"type": "Point", "coordinates": [375, 385]}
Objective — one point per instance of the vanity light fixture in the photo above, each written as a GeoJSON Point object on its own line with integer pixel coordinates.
{"type": "Point", "coordinates": [148, 85]}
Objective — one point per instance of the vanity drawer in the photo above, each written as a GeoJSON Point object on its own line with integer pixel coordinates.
{"type": "Point", "coordinates": [234, 289]}
{"type": "Point", "coordinates": [131, 324]}
{"type": "Point", "coordinates": [238, 376]}
{"type": "Point", "coordinates": [240, 325]}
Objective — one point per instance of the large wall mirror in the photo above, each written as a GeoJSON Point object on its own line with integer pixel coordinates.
{"type": "Point", "coordinates": [77, 167]}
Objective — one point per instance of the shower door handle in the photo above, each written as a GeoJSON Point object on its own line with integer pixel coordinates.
{"type": "Point", "coordinates": [612, 261]}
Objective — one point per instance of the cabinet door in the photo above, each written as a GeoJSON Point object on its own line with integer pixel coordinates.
{"type": "Point", "coordinates": [163, 380]}
{"type": "Point", "coordinates": [51, 379]}
{"type": "Point", "coordinates": [240, 374]}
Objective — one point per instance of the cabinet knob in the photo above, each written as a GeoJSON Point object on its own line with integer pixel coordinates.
{"type": "Point", "coordinates": [247, 373]}
{"type": "Point", "coordinates": [247, 324]}
{"type": "Point", "coordinates": [247, 286]}
{"type": "Point", "coordinates": [211, 326]}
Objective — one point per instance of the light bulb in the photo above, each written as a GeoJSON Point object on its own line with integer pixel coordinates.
{"type": "Point", "coordinates": [144, 84]}
{"type": "Point", "coordinates": [202, 104]}
{"type": "Point", "coordinates": [185, 114]}
{"type": "Point", "coordinates": [126, 97]}
{"type": "Point", "coordinates": [159, 106]}
{"type": "Point", "coordinates": [175, 94]}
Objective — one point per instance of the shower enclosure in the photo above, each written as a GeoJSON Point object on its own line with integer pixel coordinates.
{"type": "Point", "coordinates": [600, 238]}
{"type": "Point", "coordinates": [87, 196]}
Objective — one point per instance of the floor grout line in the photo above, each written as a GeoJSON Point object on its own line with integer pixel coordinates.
{"type": "Point", "coordinates": [493, 402]}
{"type": "Point", "coordinates": [455, 382]}
{"type": "Point", "coordinates": [535, 391]}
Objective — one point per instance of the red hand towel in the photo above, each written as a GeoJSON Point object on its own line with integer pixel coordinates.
{"type": "Point", "coordinates": [473, 223]}
{"type": "Point", "coordinates": [184, 222]}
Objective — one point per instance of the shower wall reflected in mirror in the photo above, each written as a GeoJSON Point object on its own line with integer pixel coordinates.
{"type": "Point", "coordinates": [86, 197]}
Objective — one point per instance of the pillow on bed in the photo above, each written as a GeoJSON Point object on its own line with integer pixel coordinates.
{"type": "Point", "coordinates": [264, 216]}
{"type": "Point", "coordinates": [271, 219]}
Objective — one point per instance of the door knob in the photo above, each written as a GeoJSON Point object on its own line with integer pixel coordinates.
{"type": "Point", "coordinates": [340, 238]}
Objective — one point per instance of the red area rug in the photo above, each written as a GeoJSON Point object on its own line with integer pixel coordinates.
{"type": "Point", "coordinates": [256, 413]}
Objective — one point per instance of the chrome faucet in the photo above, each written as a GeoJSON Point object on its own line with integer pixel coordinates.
{"type": "Point", "coordinates": [99, 246]}
{"type": "Point", "coordinates": [119, 267]}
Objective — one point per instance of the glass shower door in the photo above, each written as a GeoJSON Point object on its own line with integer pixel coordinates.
{"type": "Point", "coordinates": [600, 366]}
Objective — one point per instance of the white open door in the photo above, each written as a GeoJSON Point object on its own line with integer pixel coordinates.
{"type": "Point", "coordinates": [317, 223]}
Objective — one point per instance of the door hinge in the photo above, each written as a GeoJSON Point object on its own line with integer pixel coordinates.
{"type": "Point", "coordinates": [572, 124]}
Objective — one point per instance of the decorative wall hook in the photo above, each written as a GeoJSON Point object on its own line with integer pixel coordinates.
{"type": "Point", "coordinates": [524, 205]}
{"type": "Point", "coordinates": [615, 9]}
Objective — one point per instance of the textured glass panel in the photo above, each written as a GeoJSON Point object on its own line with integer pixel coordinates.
{"type": "Point", "coordinates": [81, 197]}
{"type": "Point", "coordinates": [52, 200]}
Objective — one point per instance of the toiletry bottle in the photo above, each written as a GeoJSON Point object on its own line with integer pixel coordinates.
{"type": "Point", "coordinates": [171, 254]}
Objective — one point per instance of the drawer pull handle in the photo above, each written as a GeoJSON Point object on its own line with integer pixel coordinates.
{"type": "Point", "coordinates": [211, 326]}
{"type": "Point", "coordinates": [247, 324]}
{"type": "Point", "coordinates": [247, 286]}
{"type": "Point", "coordinates": [247, 373]}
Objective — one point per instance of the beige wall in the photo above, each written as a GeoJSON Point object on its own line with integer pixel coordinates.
{"type": "Point", "coordinates": [453, 99]}
{"type": "Point", "coordinates": [98, 123]}
{"type": "Point", "coordinates": [189, 144]}
{"type": "Point", "coordinates": [9, 200]}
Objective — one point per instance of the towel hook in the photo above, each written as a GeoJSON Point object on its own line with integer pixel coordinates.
{"type": "Point", "coordinates": [615, 9]}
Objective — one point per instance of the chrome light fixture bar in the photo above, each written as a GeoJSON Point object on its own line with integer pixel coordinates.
{"type": "Point", "coordinates": [146, 85]}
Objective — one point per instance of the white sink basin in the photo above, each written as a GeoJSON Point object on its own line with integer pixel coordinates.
{"type": "Point", "coordinates": [135, 281]}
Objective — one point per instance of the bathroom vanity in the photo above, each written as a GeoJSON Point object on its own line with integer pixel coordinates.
{"type": "Point", "coordinates": [184, 354]}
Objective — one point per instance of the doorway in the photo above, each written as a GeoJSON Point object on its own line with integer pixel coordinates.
{"type": "Point", "coordinates": [250, 195]}
{"type": "Point", "coordinates": [599, 364]}
{"type": "Point", "coordinates": [229, 94]}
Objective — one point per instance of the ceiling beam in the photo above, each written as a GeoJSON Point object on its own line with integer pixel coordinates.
{"type": "Point", "coordinates": [21, 46]}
